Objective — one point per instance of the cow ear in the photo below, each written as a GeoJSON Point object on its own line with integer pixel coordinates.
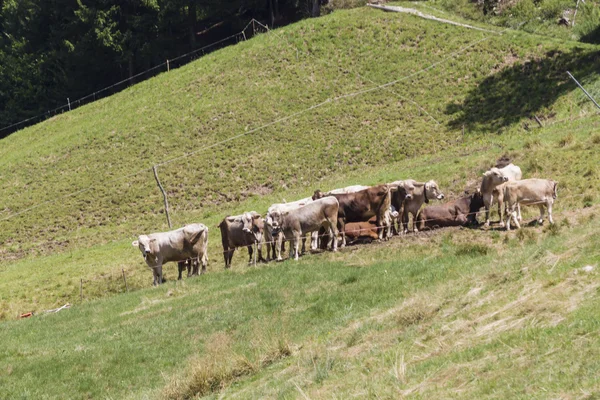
{"type": "Point", "coordinates": [152, 240]}
{"type": "Point", "coordinates": [256, 216]}
{"type": "Point", "coordinates": [135, 243]}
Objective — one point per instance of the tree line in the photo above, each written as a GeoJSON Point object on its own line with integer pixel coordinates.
{"type": "Point", "coordinates": [54, 49]}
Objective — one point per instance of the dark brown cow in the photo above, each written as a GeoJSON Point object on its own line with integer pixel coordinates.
{"type": "Point", "coordinates": [459, 212]}
{"type": "Point", "coordinates": [361, 206]}
{"type": "Point", "coordinates": [239, 231]}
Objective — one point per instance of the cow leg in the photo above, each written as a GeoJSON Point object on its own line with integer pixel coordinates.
{"type": "Point", "coordinates": [519, 212]}
{"type": "Point", "coordinates": [342, 229]}
{"type": "Point", "coordinates": [250, 252]}
{"type": "Point", "coordinates": [180, 268]}
{"type": "Point", "coordinates": [226, 256]}
{"type": "Point", "coordinates": [334, 235]}
{"type": "Point", "coordinates": [260, 255]}
{"type": "Point", "coordinates": [229, 257]}
{"type": "Point", "coordinates": [405, 221]}
{"type": "Point", "coordinates": [159, 274]}
{"type": "Point", "coordinates": [204, 263]}
{"type": "Point", "coordinates": [500, 211]}
{"type": "Point", "coordinates": [304, 244]}
{"type": "Point", "coordinates": [279, 247]}
{"type": "Point", "coordinates": [191, 264]}
{"type": "Point", "coordinates": [296, 245]}
{"type": "Point", "coordinates": [314, 240]}
{"type": "Point", "coordinates": [541, 218]}
{"type": "Point", "coordinates": [154, 277]}
{"type": "Point", "coordinates": [549, 204]}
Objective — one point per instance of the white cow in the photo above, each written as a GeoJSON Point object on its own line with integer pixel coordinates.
{"type": "Point", "coordinates": [298, 222]}
{"type": "Point", "coordinates": [529, 192]}
{"type": "Point", "coordinates": [272, 241]}
{"type": "Point", "coordinates": [187, 243]}
{"type": "Point", "coordinates": [492, 188]}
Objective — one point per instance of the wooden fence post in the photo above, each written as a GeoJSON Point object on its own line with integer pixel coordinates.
{"type": "Point", "coordinates": [164, 195]}
{"type": "Point", "coordinates": [125, 280]}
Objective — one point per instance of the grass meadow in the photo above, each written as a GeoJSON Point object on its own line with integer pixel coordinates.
{"type": "Point", "coordinates": [458, 313]}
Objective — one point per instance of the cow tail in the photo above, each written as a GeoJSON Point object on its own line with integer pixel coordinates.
{"type": "Point", "coordinates": [555, 191]}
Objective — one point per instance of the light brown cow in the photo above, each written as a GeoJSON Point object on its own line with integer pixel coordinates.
{"type": "Point", "coordinates": [309, 218]}
{"type": "Point", "coordinates": [187, 243]}
{"type": "Point", "coordinates": [529, 192]}
{"type": "Point", "coordinates": [492, 187]}
{"type": "Point", "coordinates": [272, 241]}
{"type": "Point", "coordinates": [422, 193]}
{"type": "Point", "coordinates": [243, 230]}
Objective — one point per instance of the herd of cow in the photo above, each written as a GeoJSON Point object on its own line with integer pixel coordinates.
{"type": "Point", "coordinates": [352, 213]}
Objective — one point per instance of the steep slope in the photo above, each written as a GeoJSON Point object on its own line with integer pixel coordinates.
{"type": "Point", "coordinates": [455, 313]}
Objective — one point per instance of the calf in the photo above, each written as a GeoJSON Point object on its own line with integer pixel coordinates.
{"type": "Point", "coordinates": [362, 230]}
{"type": "Point", "coordinates": [411, 203]}
{"type": "Point", "coordinates": [400, 191]}
{"type": "Point", "coordinates": [529, 192]}
{"type": "Point", "coordinates": [296, 223]}
{"type": "Point", "coordinates": [492, 187]}
{"type": "Point", "coordinates": [187, 243]}
{"type": "Point", "coordinates": [361, 206]}
{"type": "Point", "coordinates": [272, 241]}
{"type": "Point", "coordinates": [459, 212]}
{"type": "Point", "coordinates": [239, 231]}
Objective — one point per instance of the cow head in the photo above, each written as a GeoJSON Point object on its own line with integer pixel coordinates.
{"type": "Point", "coordinates": [252, 223]}
{"type": "Point", "coordinates": [318, 194]}
{"type": "Point", "coordinates": [145, 244]}
{"type": "Point", "coordinates": [474, 206]}
{"type": "Point", "coordinates": [409, 188]}
{"type": "Point", "coordinates": [274, 221]}
{"type": "Point", "coordinates": [494, 177]}
{"type": "Point", "coordinates": [432, 191]}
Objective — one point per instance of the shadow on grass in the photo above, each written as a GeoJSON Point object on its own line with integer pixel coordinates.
{"type": "Point", "coordinates": [523, 89]}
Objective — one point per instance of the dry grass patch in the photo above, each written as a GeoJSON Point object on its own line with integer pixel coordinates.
{"type": "Point", "coordinates": [220, 366]}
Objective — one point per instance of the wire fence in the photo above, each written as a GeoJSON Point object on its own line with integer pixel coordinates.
{"type": "Point", "coordinates": [253, 28]}
{"type": "Point", "coordinates": [115, 282]}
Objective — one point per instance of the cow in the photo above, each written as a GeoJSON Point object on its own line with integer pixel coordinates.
{"type": "Point", "coordinates": [529, 192]}
{"type": "Point", "coordinates": [187, 243]}
{"type": "Point", "coordinates": [239, 231]}
{"type": "Point", "coordinates": [492, 187]}
{"type": "Point", "coordinates": [361, 206]}
{"type": "Point", "coordinates": [401, 190]}
{"type": "Point", "coordinates": [309, 218]}
{"type": "Point", "coordinates": [410, 196]}
{"type": "Point", "coordinates": [459, 212]}
{"type": "Point", "coordinates": [362, 230]}
{"type": "Point", "coordinates": [273, 241]}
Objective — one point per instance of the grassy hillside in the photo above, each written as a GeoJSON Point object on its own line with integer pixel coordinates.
{"type": "Point", "coordinates": [458, 313]}
{"type": "Point", "coordinates": [83, 180]}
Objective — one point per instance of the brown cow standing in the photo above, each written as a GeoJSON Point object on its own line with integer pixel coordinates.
{"type": "Point", "coordinates": [459, 212]}
{"type": "Point", "coordinates": [241, 230]}
{"type": "Point", "coordinates": [361, 206]}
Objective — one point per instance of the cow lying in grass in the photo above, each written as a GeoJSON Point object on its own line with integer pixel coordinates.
{"type": "Point", "coordinates": [180, 245]}
{"type": "Point", "coordinates": [459, 212]}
